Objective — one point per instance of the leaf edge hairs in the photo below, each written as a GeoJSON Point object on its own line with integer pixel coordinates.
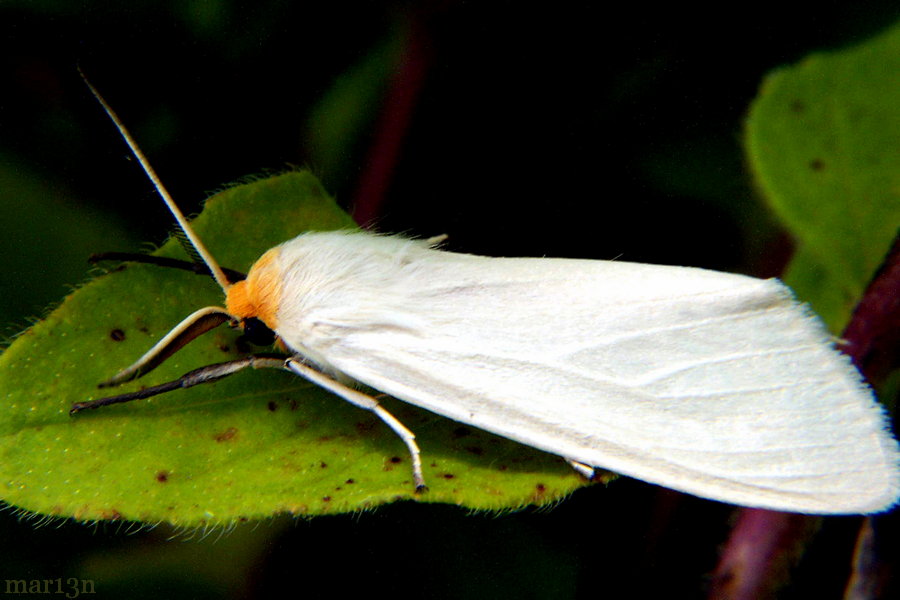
{"type": "Point", "coordinates": [715, 384]}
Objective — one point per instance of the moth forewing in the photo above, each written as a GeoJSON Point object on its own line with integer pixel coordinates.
{"type": "Point", "coordinates": [716, 384]}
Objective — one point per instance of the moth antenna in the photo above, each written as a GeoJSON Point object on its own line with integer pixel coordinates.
{"type": "Point", "coordinates": [214, 267]}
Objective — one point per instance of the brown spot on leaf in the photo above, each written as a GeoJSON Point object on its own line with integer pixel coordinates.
{"type": "Point", "coordinates": [162, 476]}
{"type": "Point", "coordinates": [476, 450]}
{"type": "Point", "coordinates": [350, 481]}
{"type": "Point", "coordinates": [323, 465]}
{"type": "Point", "coordinates": [448, 476]}
{"type": "Point", "coordinates": [117, 335]}
{"type": "Point", "coordinates": [226, 435]}
{"type": "Point", "coordinates": [364, 426]}
{"type": "Point", "coordinates": [326, 498]}
{"type": "Point", "coordinates": [817, 164]}
{"type": "Point", "coordinates": [111, 515]}
{"type": "Point", "coordinates": [272, 406]}
{"type": "Point", "coordinates": [395, 459]}
{"type": "Point", "coordinates": [460, 432]}
{"type": "Point", "coordinates": [541, 488]}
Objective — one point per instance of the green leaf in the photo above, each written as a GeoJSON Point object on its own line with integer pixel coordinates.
{"type": "Point", "coordinates": [250, 446]}
{"type": "Point", "coordinates": [823, 139]}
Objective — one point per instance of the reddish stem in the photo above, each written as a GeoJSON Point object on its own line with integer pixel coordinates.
{"type": "Point", "coordinates": [405, 88]}
{"type": "Point", "coordinates": [873, 334]}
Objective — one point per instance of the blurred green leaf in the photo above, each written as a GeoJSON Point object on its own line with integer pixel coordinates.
{"type": "Point", "coordinates": [338, 122]}
{"type": "Point", "coordinates": [41, 220]}
{"type": "Point", "coordinates": [250, 446]}
{"type": "Point", "coordinates": [823, 139]}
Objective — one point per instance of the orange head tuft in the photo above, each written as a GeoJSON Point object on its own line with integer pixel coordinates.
{"type": "Point", "coordinates": [260, 294]}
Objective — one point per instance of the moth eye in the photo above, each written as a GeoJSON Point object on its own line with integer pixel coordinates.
{"type": "Point", "coordinates": [257, 333]}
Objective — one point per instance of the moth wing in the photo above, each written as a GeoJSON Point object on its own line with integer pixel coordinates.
{"type": "Point", "coordinates": [718, 385]}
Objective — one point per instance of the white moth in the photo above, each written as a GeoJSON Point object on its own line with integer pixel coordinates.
{"type": "Point", "coordinates": [714, 384]}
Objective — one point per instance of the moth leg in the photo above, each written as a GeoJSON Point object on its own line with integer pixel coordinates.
{"type": "Point", "coordinates": [371, 404]}
{"type": "Point", "coordinates": [582, 469]}
{"type": "Point", "coordinates": [206, 374]}
{"type": "Point", "coordinates": [198, 268]}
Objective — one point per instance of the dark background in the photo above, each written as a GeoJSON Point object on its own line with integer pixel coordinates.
{"type": "Point", "coordinates": [572, 129]}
